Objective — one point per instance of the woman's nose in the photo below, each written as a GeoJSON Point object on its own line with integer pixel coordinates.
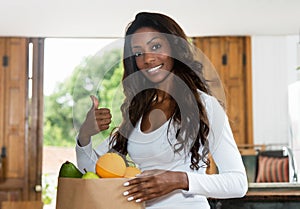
{"type": "Point", "coordinates": [149, 57]}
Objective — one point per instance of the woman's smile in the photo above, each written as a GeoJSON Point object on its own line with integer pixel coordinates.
{"type": "Point", "coordinates": [152, 53]}
{"type": "Point", "coordinates": [154, 69]}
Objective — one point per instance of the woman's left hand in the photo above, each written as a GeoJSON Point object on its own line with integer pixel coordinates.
{"type": "Point", "coordinates": [155, 183]}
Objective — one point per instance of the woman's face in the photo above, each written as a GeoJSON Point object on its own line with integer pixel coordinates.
{"type": "Point", "coordinates": [152, 53]}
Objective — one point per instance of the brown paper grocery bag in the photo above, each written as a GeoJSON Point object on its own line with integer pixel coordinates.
{"type": "Point", "coordinates": [103, 193]}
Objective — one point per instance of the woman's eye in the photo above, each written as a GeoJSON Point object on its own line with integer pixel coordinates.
{"type": "Point", "coordinates": [137, 54]}
{"type": "Point", "coordinates": [156, 46]}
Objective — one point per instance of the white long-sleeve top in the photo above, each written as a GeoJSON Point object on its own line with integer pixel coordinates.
{"type": "Point", "coordinates": [155, 151]}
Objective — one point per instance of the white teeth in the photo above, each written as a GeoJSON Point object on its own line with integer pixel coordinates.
{"type": "Point", "coordinates": [154, 69]}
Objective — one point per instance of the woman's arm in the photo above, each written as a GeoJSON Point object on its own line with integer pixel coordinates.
{"type": "Point", "coordinates": [97, 119]}
{"type": "Point", "coordinates": [231, 181]}
{"type": "Point", "coordinates": [87, 156]}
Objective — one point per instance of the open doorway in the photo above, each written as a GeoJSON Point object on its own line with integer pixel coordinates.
{"type": "Point", "coordinates": [64, 60]}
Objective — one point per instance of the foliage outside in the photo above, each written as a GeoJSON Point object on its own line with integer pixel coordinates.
{"type": "Point", "coordinates": [66, 108]}
{"type": "Point", "coordinates": [48, 191]}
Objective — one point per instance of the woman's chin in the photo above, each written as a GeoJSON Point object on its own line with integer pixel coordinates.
{"type": "Point", "coordinates": [158, 78]}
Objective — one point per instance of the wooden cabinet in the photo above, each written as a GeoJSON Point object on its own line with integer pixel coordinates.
{"type": "Point", "coordinates": [231, 57]}
{"type": "Point", "coordinates": [13, 76]}
{"type": "Point", "coordinates": [16, 122]}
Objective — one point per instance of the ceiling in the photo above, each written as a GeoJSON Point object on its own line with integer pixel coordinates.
{"type": "Point", "coordinates": [99, 18]}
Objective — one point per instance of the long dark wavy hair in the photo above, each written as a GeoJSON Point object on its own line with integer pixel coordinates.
{"type": "Point", "coordinates": [194, 129]}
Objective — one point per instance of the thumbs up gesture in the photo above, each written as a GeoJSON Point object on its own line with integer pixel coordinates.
{"type": "Point", "coordinates": [96, 120]}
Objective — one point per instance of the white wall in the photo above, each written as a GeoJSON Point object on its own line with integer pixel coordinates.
{"type": "Point", "coordinates": [100, 18]}
{"type": "Point", "coordinates": [274, 59]}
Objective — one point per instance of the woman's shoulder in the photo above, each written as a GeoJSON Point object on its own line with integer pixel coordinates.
{"type": "Point", "coordinates": [205, 97]}
{"type": "Point", "coordinates": [212, 105]}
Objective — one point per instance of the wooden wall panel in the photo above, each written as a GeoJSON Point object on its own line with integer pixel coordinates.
{"type": "Point", "coordinates": [2, 84]}
{"type": "Point", "coordinates": [15, 107]}
{"type": "Point", "coordinates": [13, 118]}
{"type": "Point", "coordinates": [229, 56]}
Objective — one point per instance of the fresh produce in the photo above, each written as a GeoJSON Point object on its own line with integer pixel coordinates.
{"type": "Point", "coordinates": [69, 170]}
{"type": "Point", "coordinates": [131, 172]}
{"type": "Point", "coordinates": [110, 165]}
{"type": "Point", "coordinates": [90, 175]}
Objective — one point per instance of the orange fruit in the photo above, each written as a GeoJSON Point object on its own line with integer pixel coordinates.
{"type": "Point", "coordinates": [110, 165]}
{"type": "Point", "coordinates": [131, 172]}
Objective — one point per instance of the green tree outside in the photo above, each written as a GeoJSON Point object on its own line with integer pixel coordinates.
{"type": "Point", "coordinates": [66, 108]}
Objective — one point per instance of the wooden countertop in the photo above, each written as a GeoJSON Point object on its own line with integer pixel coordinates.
{"type": "Point", "coordinates": [265, 191]}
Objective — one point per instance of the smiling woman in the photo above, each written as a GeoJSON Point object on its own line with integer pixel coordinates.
{"type": "Point", "coordinates": [170, 122]}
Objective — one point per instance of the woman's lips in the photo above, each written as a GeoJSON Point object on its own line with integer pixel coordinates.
{"type": "Point", "coordinates": [154, 69]}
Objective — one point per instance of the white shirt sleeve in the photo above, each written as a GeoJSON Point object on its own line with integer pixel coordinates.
{"type": "Point", "coordinates": [231, 181]}
{"type": "Point", "coordinates": [87, 156]}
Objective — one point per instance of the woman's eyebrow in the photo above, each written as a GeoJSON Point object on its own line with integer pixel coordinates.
{"type": "Point", "coordinates": [152, 39]}
{"type": "Point", "coordinates": [135, 47]}
{"type": "Point", "coordinates": [148, 42]}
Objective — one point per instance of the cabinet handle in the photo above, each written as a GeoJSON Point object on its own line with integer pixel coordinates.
{"type": "Point", "coordinates": [38, 188]}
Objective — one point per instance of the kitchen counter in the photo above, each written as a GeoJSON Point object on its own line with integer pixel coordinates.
{"type": "Point", "coordinates": [263, 196]}
{"type": "Point", "coordinates": [267, 186]}
{"type": "Point", "coordinates": [290, 191]}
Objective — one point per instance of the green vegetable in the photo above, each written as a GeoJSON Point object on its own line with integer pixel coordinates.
{"type": "Point", "coordinates": [69, 170]}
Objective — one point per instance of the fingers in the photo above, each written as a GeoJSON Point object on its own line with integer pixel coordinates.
{"type": "Point", "coordinates": [97, 119]}
{"type": "Point", "coordinates": [150, 184]}
{"type": "Point", "coordinates": [103, 117]}
{"type": "Point", "coordinates": [142, 195]}
{"type": "Point", "coordinates": [102, 112]}
{"type": "Point", "coordinates": [95, 102]}
{"type": "Point", "coordinates": [141, 191]}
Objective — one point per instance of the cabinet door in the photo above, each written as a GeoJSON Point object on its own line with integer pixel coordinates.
{"type": "Point", "coordinates": [13, 117]}
{"type": "Point", "coordinates": [231, 57]}
{"type": "Point", "coordinates": [2, 79]}
{"type": "Point", "coordinates": [15, 121]}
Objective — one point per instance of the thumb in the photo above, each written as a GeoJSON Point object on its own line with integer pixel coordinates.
{"type": "Point", "coordinates": [95, 102]}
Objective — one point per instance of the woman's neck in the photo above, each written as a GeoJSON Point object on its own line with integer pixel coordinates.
{"type": "Point", "coordinates": [164, 90]}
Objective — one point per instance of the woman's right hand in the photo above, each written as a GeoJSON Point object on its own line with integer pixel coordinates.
{"type": "Point", "coordinates": [96, 120]}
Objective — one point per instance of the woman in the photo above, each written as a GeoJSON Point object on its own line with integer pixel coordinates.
{"type": "Point", "coordinates": [170, 123]}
